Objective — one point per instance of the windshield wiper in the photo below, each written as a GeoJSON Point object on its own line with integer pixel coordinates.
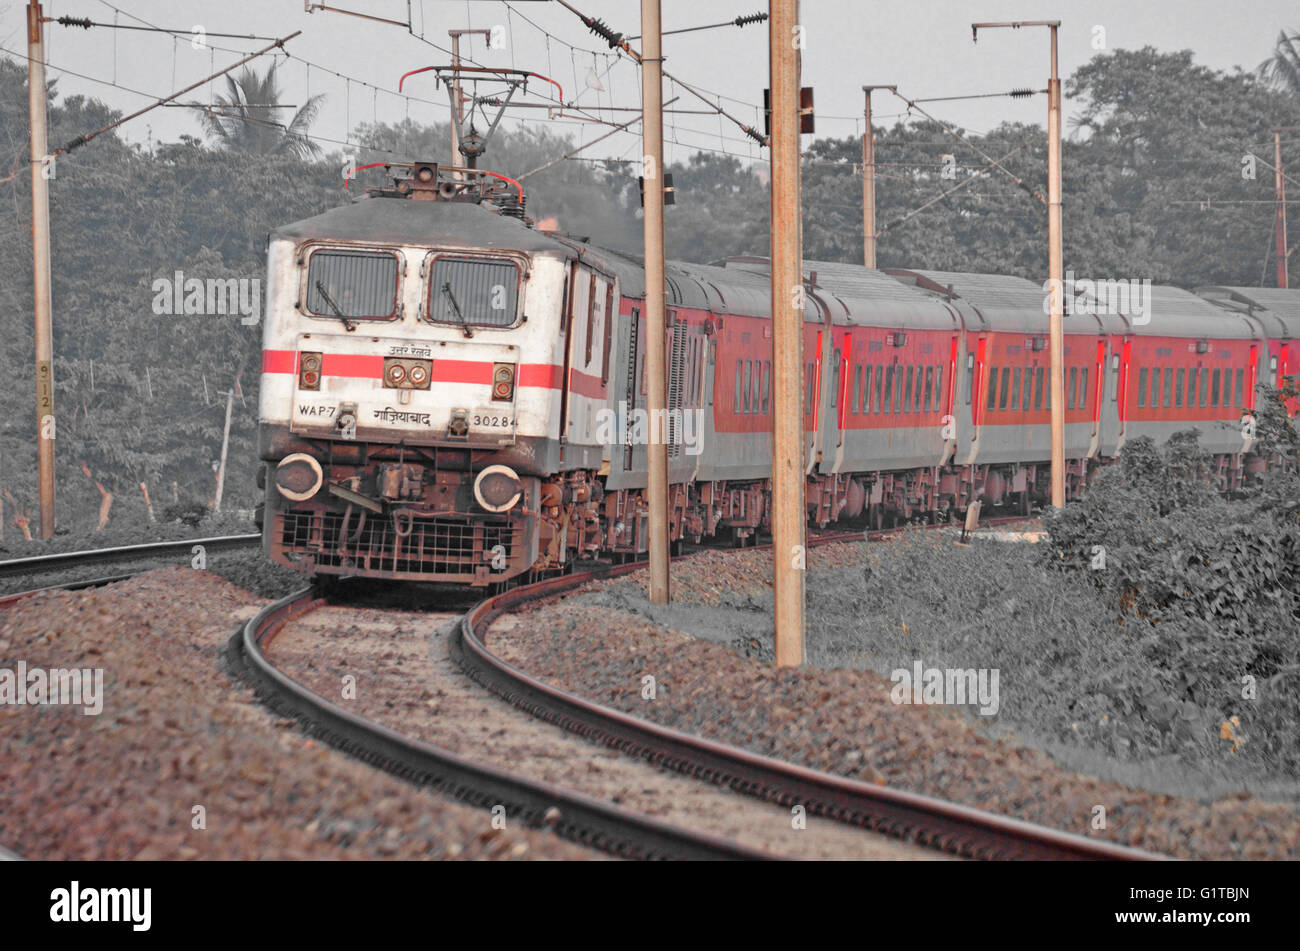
{"type": "Point", "coordinates": [446, 289]}
{"type": "Point", "coordinates": [320, 289]}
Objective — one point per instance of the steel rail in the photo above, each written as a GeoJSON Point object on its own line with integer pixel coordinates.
{"type": "Point", "coordinates": [570, 815]}
{"type": "Point", "coordinates": [69, 559]}
{"type": "Point", "coordinates": [952, 827]}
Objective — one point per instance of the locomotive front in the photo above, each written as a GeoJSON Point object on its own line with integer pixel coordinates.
{"type": "Point", "coordinates": [409, 381]}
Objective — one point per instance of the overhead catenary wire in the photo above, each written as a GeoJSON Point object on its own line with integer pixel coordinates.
{"type": "Point", "coordinates": [940, 197]}
{"type": "Point", "coordinates": [911, 103]}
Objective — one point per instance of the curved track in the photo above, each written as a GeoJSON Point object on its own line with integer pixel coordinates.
{"type": "Point", "coordinates": [572, 815]}
{"type": "Point", "coordinates": [944, 825]}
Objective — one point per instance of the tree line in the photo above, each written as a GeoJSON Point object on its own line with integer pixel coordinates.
{"type": "Point", "coordinates": [1166, 176]}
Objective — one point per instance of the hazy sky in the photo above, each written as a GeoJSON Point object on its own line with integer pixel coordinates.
{"type": "Point", "coordinates": [923, 46]}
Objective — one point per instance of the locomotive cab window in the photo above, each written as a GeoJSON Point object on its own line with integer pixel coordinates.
{"type": "Point", "coordinates": [473, 292]}
{"type": "Point", "coordinates": [352, 285]}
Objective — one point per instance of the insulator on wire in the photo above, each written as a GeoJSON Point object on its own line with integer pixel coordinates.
{"type": "Point", "coordinates": [83, 22]}
{"type": "Point", "coordinates": [1020, 93]}
{"type": "Point", "coordinates": [753, 18]}
{"type": "Point", "coordinates": [604, 32]}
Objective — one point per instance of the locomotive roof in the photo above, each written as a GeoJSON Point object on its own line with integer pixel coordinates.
{"type": "Point", "coordinates": [1277, 307]}
{"type": "Point", "coordinates": [401, 221]}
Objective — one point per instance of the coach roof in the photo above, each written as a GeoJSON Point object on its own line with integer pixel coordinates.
{"type": "Point", "coordinates": [1276, 307]}
{"type": "Point", "coordinates": [402, 221]}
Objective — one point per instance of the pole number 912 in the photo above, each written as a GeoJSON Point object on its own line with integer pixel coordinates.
{"type": "Point", "coordinates": [493, 421]}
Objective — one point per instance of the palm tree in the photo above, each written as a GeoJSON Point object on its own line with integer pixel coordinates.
{"type": "Point", "coordinates": [249, 118]}
{"type": "Point", "coordinates": [1282, 69]}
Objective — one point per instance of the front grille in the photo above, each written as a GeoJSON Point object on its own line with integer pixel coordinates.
{"type": "Point", "coordinates": [448, 548]}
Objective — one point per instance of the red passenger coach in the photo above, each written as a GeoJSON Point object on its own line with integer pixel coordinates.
{"type": "Point", "coordinates": [450, 395]}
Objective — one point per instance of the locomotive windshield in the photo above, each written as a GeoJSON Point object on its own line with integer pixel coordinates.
{"type": "Point", "coordinates": [352, 285]}
{"type": "Point", "coordinates": [473, 292]}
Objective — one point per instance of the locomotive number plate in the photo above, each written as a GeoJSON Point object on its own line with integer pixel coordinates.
{"type": "Point", "coordinates": [489, 420]}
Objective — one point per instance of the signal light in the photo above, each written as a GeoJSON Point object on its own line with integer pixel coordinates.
{"type": "Point", "coordinates": [503, 382]}
{"type": "Point", "coordinates": [396, 373]}
{"type": "Point", "coordinates": [418, 374]}
{"type": "Point", "coordinates": [309, 371]}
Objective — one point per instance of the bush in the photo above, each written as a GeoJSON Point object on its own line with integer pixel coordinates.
{"type": "Point", "coordinates": [1209, 587]}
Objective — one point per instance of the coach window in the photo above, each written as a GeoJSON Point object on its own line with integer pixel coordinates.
{"type": "Point", "coordinates": [1074, 388]}
{"type": "Point", "coordinates": [1083, 388]}
{"type": "Point", "coordinates": [756, 388]}
{"type": "Point", "coordinates": [749, 374]}
{"type": "Point", "coordinates": [1169, 385]}
{"type": "Point", "coordinates": [736, 404]}
{"type": "Point", "coordinates": [1006, 384]}
{"type": "Point", "coordinates": [857, 389]}
{"type": "Point", "coordinates": [1155, 387]}
{"type": "Point", "coordinates": [916, 393]}
{"type": "Point", "coordinates": [898, 390]}
{"type": "Point", "coordinates": [880, 374]}
{"type": "Point", "coordinates": [479, 292]}
{"type": "Point", "coordinates": [1142, 388]}
{"type": "Point", "coordinates": [352, 285]}
{"type": "Point", "coordinates": [767, 385]}
{"type": "Point", "coordinates": [1214, 387]}
{"type": "Point", "coordinates": [907, 391]}
{"type": "Point", "coordinates": [1236, 391]}
{"type": "Point", "coordinates": [993, 388]}
{"type": "Point", "coordinates": [889, 390]}
{"type": "Point", "coordinates": [1015, 389]}
{"type": "Point", "coordinates": [1038, 387]}
{"type": "Point", "coordinates": [1205, 384]}
{"type": "Point", "coordinates": [1227, 387]}
{"type": "Point", "coordinates": [938, 388]}
{"type": "Point", "coordinates": [929, 388]}
{"type": "Point", "coordinates": [1178, 388]}
{"type": "Point", "coordinates": [808, 397]}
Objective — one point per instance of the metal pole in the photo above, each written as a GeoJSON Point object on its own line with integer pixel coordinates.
{"type": "Point", "coordinates": [788, 512]}
{"type": "Point", "coordinates": [45, 427]}
{"type": "Point", "coordinates": [1279, 185]}
{"type": "Point", "coordinates": [225, 445]}
{"type": "Point", "coordinates": [652, 128]}
{"type": "Point", "coordinates": [1056, 329]}
{"type": "Point", "coordinates": [869, 181]}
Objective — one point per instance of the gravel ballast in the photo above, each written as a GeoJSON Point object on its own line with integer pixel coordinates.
{"type": "Point", "coordinates": [175, 734]}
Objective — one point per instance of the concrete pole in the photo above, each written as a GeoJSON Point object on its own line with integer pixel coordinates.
{"type": "Point", "coordinates": [1056, 329]}
{"type": "Point", "coordinates": [1279, 185]}
{"type": "Point", "coordinates": [1056, 295]}
{"type": "Point", "coordinates": [459, 103]}
{"type": "Point", "coordinates": [652, 127]}
{"type": "Point", "coordinates": [789, 516]}
{"type": "Point", "coordinates": [868, 185]}
{"type": "Point", "coordinates": [45, 429]}
{"type": "Point", "coordinates": [225, 445]}
{"type": "Point", "coordinates": [869, 182]}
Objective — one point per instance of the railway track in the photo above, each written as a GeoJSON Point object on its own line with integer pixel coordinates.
{"type": "Point", "coordinates": [572, 815]}
{"type": "Point", "coordinates": [933, 823]}
{"type": "Point", "coordinates": [948, 826]}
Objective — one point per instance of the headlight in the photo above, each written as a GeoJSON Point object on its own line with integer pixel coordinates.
{"type": "Point", "coordinates": [497, 488]}
{"type": "Point", "coordinates": [298, 477]}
